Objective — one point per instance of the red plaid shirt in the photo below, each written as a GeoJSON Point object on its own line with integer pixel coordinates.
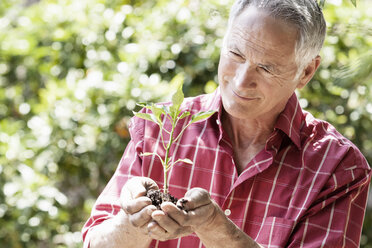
{"type": "Point", "coordinates": [307, 188]}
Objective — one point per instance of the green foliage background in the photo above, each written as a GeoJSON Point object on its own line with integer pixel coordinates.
{"type": "Point", "coordinates": [71, 72]}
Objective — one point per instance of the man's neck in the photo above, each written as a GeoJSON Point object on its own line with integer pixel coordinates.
{"type": "Point", "coordinates": [248, 137]}
{"type": "Point", "coordinates": [244, 133]}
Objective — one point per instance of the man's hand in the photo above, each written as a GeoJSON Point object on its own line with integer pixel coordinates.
{"type": "Point", "coordinates": [196, 209]}
{"type": "Point", "coordinates": [129, 227]}
{"type": "Point", "coordinates": [198, 213]}
{"type": "Point", "coordinates": [135, 203]}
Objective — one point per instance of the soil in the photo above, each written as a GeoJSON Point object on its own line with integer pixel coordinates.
{"type": "Point", "coordinates": [158, 197]}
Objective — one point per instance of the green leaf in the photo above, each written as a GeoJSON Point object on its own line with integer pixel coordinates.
{"type": "Point", "coordinates": [186, 160]}
{"type": "Point", "coordinates": [201, 116]}
{"type": "Point", "coordinates": [145, 116]}
{"type": "Point", "coordinates": [145, 105]}
{"type": "Point", "coordinates": [177, 100]}
{"type": "Point", "coordinates": [166, 109]}
{"type": "Point", "coordinates": [177, 81]}
{"type": "Point", "coordinates": [153, 154]}
{"type": "Point", "coordinates": [148, 154]}
{"type": "Point", "coordinates": [185, 114]}
{"type": "Point", "coordinates": [157, 111]}
{"type": "Point", "coordinates": [178, 96]}
{"type": "Point", "coordinates": [321, 3]}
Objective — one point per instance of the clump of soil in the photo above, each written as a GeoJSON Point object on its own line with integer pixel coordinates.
{"type": "Point", "coordinates": [158, 197]}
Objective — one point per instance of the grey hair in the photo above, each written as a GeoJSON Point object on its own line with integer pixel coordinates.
{"type": "Point", "coordinates": [305, 15]}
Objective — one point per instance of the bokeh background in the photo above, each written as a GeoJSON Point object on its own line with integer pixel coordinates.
{"type": "Point", "coordinates": [71, 72]}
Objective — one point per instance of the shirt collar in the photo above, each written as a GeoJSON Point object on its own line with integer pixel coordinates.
{"type": "Point", "coordinates": [214, 102]}
{"type": "Point", "coordinates": [289, 121]}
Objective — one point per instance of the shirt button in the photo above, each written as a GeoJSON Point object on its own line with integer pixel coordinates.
{"type": "Point", "coordinates": [227, 212]}
{"type": "Point", "coordinates": [218, 122]}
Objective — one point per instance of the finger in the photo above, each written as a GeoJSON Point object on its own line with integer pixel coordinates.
{"type": "Point", "coordinates": [166, 222]}
{"type": "Point", "coordinates": [178, 215]}
{"type": "Point", "coordinates": [171, 218]}
{"type": "Point", "coordinates": [195, 217]}
{"type": "Point", "coordinates": [134, 206]}
{"type": "Point", "coordinates": [141, 185]}
{"type": "Point", "coordinates": [143, 229]}
{"type": "Point", "coordinates": [194, 198]}
{"type": "Point", "coordinates": [157, 232]}
{"type": "Point", "coordinates": [137, 187]}
{"type": "Point", "coordinates": [200, 216]}
{"type": "Point", "coordinates": [142, 217]}
{"type": "Point", "coordinates": [133, 189]}
{"type": "Point", "coordinates": [150, 184]}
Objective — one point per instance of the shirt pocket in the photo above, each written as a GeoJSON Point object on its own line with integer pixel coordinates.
{"type": "Point", "coordinates": [274, 232]}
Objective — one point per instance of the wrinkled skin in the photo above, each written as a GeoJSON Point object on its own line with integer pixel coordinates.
{"type": "Point", "coordinates": [170, 222]}
{"type": "Point", "coordinates": [135, 203]}
{"type": "Point", "coordinates": [195, 212]}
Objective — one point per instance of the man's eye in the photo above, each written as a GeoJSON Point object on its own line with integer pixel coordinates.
{"type": "Point", "coordinates": [265, 69]}
{"type": "Point", "coordinates": [235, 54]}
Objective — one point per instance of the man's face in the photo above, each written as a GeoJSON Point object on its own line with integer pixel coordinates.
{"type": "Point", "coordinates": [257, 66]}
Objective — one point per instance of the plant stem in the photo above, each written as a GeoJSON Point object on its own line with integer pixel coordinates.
{"type": "Point", "coordinates": [180, 134]}
{"type": "Point", "coordinates": [166, 160]}
{"type": "Point", "coordinates": [165, 188]}
{"type": "Point", "coordinates": [165, 168]}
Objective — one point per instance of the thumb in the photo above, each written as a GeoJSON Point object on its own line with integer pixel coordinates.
{"type": "Point", "coordinates": [137, 187]}
{"type": "Point", "coordinates": [194, 198]}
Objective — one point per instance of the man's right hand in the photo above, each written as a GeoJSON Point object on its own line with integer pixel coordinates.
{"type": "Point", "coordinates": [135, 204]}
{"type": "Point", "coordinates": [129, 227]}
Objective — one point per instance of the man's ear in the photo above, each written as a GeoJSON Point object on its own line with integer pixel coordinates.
{"type": "Point", "coordinates": [308, 72]}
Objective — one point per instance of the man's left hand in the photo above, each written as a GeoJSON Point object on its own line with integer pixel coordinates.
{"type": "Point", "coordinates": [197, 210]}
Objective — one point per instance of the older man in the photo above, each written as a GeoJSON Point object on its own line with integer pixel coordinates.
{"type": "Point", "coordinates": [266, 173]}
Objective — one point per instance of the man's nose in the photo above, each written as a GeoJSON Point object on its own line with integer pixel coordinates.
{"type": "Point", "coordinates": [245, 75]}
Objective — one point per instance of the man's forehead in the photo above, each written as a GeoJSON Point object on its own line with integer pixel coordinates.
{"type": "Point", "coordinates": [258, 24]}
{"type": "Point", "coordinates": [262, 33]}
{"type": "Point", "coordinates": [247, 45]}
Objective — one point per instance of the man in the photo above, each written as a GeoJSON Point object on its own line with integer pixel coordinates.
{"type": "Point", "coordinates": [265, 174]}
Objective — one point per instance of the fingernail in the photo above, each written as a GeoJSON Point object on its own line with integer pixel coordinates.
{"type": "Point", "coordinates": [181, 203]}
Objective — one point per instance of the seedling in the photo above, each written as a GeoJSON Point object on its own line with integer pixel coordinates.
{"type": "Point", "coordinates": [162, 113]}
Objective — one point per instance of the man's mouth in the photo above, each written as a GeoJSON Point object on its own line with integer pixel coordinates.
{"type": "Point", "coordinates": [245, 98]}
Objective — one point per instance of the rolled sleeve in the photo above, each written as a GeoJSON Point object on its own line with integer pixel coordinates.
{"type": "Point", "coordinates": [108, 204]}
{"type": "Point", "coordinates": [335, 219]}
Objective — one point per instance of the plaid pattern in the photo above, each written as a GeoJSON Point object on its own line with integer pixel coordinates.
{"type": "Point", "coordinates": [307, 188]}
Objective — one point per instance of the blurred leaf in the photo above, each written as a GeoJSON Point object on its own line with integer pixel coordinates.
{"type": "Point", "coordinates": [177, 97]}
{"type": "Point", "coordinates": [321, 3]}
{"type": "Point", "coordinates": [147, 154]}
{"type": "Point", "coordinates": [149, 117]}
{"type": "Point", "coordinates": [185, 160]}
{"type": "Point", "coordinates": [184, 114]}
{"type": "Point", "coordinates": [202, 116]}
{"type": "Point", "coordinates": [158, 111]}
{"type": "Point", "coordinates": [72, 71]}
